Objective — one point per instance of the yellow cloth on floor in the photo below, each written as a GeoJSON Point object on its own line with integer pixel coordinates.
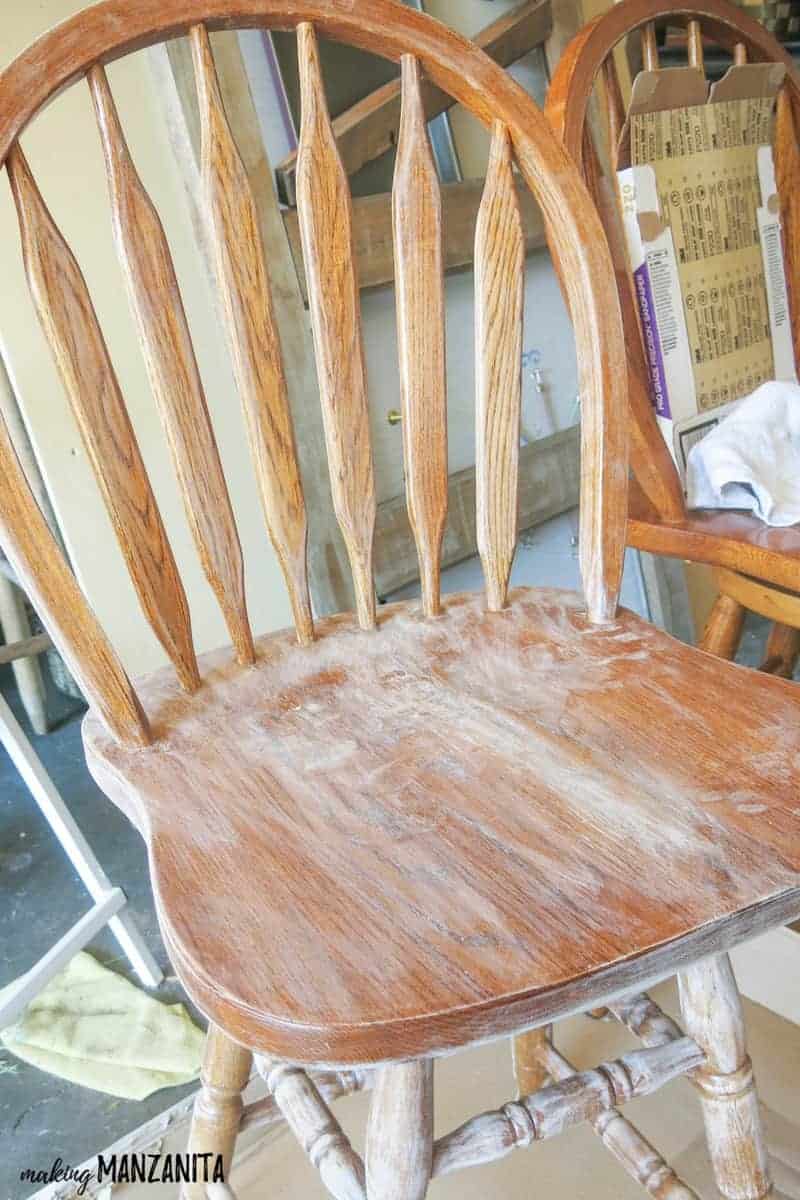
{"type": "Point", "coordinates": [94, 1028]}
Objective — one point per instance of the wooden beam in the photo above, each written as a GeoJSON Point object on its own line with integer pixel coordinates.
{"type": "Point", "coordinates": [369, 128]}
{"type": "Point", "coordinates": [26, 648]}
{"type": "Point", "coordinates": [372, 230]}
{"type": "Point", "coordinates": [549, 477]}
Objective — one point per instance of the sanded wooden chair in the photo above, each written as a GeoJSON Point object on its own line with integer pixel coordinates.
{"type": "Point", "coordinates": [385, 836]}
{"type": "Point", "coordinates": [757, 568]}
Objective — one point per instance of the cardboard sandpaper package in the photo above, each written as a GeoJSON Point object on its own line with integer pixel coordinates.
{"type": "Point", "coordinates": [703, 230]}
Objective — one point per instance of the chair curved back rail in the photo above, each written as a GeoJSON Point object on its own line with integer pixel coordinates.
{"type": "Point", "coordinates": [78, 50]}
{"type": "Point", "coordinates": [589, 57]}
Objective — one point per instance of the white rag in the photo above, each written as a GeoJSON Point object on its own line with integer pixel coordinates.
{"type": "Point", "coordinates": [751, 460]}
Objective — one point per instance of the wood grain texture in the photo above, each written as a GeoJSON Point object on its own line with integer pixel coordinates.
{"type": "Point", "coordinates": [549, 482]}
{"type": "Point", "coordinates": [499, 288]}
{"type": "Point", "coordinates": [252, 335]}
{"type": "Point", "coordinates": [527, 1054]}
{"type": "Point", "coordinates": [646, 1020]}
{"type": "Point", "coordinates": [70, 325]}
{"type": "Point", "coordinates": [568, 107]}
{"type": "Point", "coordinates": [172, 370]}
{"type": "Point", "coordinates": [614, 107]}
{"type": "Point", "coordinates": [632, 1151]}
{"type": "Point", "coordinates": [373, 236]}
{"type": "Point", "coordinates": [316, 1129]}
{"type": "Point", "coordinates": [782, 650]}
{"type": "Point", "coordinates": [218, 1108]}
{"type": "Point", "coordinates": [582, 1097]}
{"type": "Point", "coordinates": [774, 603]}
{"type": "Point", "coordinates": [419, 273]}
{"type": "Point", "coordinates": [651, 461]}
{"type": "Point", "coordinates": [459, 828]}
{"type": "Point", "coordinates": [371, 126]}
{"type": "Point", "coordinates": [786, 149]}
{"type": "Point", "coordinates": [173, 65]}
{"type": "Point", "coordinates": [111, 28]}
{"type": "Point", "coordinates": [331, 1085]}
{"type": "Point", "coordinates": [723, 630]}
{"type": "Point", "coordinates": [399, 1156]}
{"type": "Point", "coordinates": [326, 227]}
{"type": "Point", "coordinates": [712, 1012]}
{"type": "Point", "coordinates": [725, 24]}
{"type": "Point", "coordinates": [39, 564]}
{"type": "Point", "coordinates": [725, 538]}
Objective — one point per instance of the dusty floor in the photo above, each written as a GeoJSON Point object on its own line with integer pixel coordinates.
{"type": "Point", "coordinates": [40, 896]}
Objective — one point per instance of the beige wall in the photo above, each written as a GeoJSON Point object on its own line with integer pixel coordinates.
{"type": "Point", "coordinates": [63, 149]}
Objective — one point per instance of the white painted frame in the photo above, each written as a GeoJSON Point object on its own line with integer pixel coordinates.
{"type": "Point", "coordinates": [109, 901]}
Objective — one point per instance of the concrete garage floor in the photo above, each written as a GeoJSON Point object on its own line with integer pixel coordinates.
{"type": "Point", "coordinates": [41, 1117]}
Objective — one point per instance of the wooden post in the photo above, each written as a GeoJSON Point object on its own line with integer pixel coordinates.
{"type": "Point", "coordinates": [724, 629]}
{"type": "Point", "coordinates": [712, 1013]}
{"type": "Point", "coordinates": [27, 672]}
{"type": "Point", "coordinates": [218, 1107]}
{"type": "Point", "coordinates": [400, 1132]}
{"type": "Point", "coordinates": [526, 1051]}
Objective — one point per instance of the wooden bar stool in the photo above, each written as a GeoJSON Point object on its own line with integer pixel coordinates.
{"type": "Point", "coordinates": [659, 521]}
{"type": "Point", "coordinates": [381, 837]}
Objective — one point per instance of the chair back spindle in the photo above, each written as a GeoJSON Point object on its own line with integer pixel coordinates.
{"type": "Point", "coordinates": [695, 45]}
{"type": "Point", "coordinates": [39, 565]}
{"type": "Point", "coordinates": [499, 281]}
{"type": "Point", "coordinates": [325, 212]}
{"type": "Point", "coordinates": [252, 333]}
{"type": "Point", "coordinates": [70, 324]}
{"type": "Point", "coordinates": [649, 47]}
{"type": "Point", "coordinates": [428, 54]}
{"type": "Point", "coordinates": [419, 281]}
{"type": "Point", "coordinates": [172, 370]}
{"type": "Point", "coordinates": [614, 107]}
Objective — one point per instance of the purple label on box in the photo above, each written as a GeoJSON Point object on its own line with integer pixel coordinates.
{"type": "Point", "coordinates": [652, 342]}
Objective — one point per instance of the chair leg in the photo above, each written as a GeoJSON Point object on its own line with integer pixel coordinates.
{"type": "Point", "coordinates": [712, 1013]}
{"type": "Point", "coordinates": [526, 1052]}
{"type": "Point", "coordinates": [218, 1107]}
{"type": "Point", "coordinates": [723, 630]}
{"type": "Point", "coordinates": [783, 650]}
{"type": "Point", "coordinates": [399, 1154]}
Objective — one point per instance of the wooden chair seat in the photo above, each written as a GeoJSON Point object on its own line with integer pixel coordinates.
{"type": "Point", "coordinates": [369, 847]}
{"type": "Point", "coordinates": [390, 834]}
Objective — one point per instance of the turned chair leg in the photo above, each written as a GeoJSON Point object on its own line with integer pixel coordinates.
{"type": "Point", "coordinates": [783, 650]}
{"type": "Point", "coordinates": [399, 1154]}
{"type": "Point", "coordinates": [712, 1013]}
{"type": "Point", "coordinates": [218, 1107]}
{"type": "Point", "coordinates": [723, 630]}
{"type": "Point", "coordinates": [526, 1052]}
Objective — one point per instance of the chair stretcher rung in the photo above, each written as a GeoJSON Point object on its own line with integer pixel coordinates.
{"type": "Point", "coordinates": [551, 1110]}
